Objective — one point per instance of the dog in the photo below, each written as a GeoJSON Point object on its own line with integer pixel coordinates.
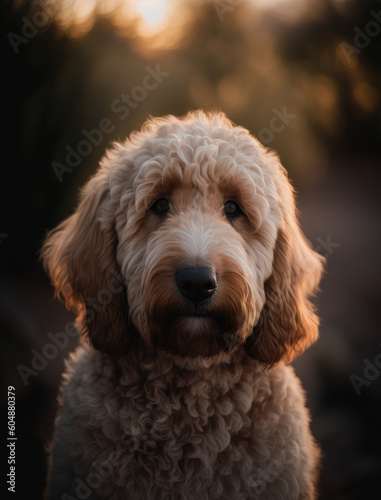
{"type": "Point", "coordinates": [192, 282]}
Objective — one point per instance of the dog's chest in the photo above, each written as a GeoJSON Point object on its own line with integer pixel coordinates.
{"type": "Point", "coordinates": [184, 432]}
{"type": "Point", "coordinates": [176, 423]}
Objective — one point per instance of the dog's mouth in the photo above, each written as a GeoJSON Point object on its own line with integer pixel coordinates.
{"type": "Point", "coordinates": [192, 329]}
{"type": "Point", "coordinates": [196, 334]}
{"type": "Point", "coordinates": [196, 310]}
{"type": "Point", "coordinates": [190, 336]}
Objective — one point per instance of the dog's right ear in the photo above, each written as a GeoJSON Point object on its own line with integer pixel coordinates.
{"type": "Point", "coordinates": [80, 256]}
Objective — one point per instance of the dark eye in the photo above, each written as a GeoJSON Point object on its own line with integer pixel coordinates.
{"type": "Point", "coordinates": [231, 209]}
{"type": "Point", "coordinates": [161, 206]}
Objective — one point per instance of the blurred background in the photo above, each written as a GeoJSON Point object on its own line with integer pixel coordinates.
{"type": "Point", "coordinates": [304, 76]}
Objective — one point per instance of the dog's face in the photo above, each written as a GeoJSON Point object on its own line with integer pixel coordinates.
{"type": "Point", "coordinates": [193, 242]}
{"type": "Point", "coordinates": [197, 221]}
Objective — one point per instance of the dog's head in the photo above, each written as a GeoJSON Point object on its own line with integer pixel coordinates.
{"type": "Point", "coordinates": [187, 238]}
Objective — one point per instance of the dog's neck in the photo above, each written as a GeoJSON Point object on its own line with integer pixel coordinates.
{"type": "Point", "coordinates": [200, 361]}
{"type": "Point", "coordinates": [146, 356]}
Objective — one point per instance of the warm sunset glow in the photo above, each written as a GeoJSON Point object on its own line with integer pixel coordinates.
{"type": "Point", "coordinates": [152, 12]}
{"type": "Point", "coordinates": [151, 18]}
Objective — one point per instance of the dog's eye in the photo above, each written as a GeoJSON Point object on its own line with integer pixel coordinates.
{"type": "Point", "coordinates": [232, 209]}
{"type": "Point", "coordinates": [161, 206]}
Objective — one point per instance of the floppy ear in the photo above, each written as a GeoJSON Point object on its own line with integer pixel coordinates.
{"type": "Point", "coordinates": [80, 257]}
{"type": "Point", "coordinates": [288, 323]}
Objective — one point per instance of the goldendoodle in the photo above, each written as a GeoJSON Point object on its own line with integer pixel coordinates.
{"type": "Point", "coordinates": [192, 282]}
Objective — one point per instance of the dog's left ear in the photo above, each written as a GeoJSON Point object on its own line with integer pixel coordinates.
{"type": "Point", "coordinates": [288, 323]}
{"type": "Point", "coordinates": [80, 256]}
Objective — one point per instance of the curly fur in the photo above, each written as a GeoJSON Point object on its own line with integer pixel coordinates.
{"type": "Point", "coordinates": [174, 402]}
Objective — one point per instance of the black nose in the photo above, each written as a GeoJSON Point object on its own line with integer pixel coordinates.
{"type": "Point", "coordinates": [196, 284]}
